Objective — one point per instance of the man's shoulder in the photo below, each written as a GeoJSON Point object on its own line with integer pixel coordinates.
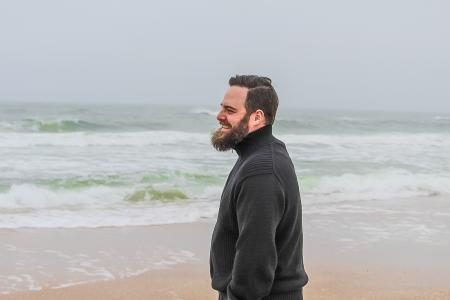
{"type": "Point", "coordinates": [261, 161]}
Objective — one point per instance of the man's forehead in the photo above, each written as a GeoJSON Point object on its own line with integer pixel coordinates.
{"type": "Point", "coordinates": [235, 97]}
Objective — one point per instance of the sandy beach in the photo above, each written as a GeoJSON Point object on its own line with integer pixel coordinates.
{"type": "Point", "coordinates": [177, 265]}
{"type": "Point", "coordinates": [191, 282]}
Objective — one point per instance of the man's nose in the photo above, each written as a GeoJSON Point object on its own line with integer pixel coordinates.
{"type": "Point", "coordinates": [220, 116]}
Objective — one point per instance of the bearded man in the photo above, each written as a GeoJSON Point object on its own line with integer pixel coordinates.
{"type": "Point", "coordinates": [257, 243]}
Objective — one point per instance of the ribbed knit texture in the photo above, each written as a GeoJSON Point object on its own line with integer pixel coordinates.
{"type": "Point", "coordinates": [257, 243]}
{"type": "Point", "coordinates": [296, 295]}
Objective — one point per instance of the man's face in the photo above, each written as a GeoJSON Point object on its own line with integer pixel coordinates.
{"type": "Point", "coordinates": [233, 119]}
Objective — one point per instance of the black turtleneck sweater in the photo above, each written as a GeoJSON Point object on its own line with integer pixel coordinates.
{"type": "Point", "coordinates": [257, 243]}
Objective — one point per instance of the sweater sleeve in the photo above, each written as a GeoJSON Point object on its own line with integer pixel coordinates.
{"type": "Point", "coordinates": [259, 208]}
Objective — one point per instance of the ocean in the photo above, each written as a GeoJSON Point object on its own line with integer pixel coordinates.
{"type": "Point", "coordinates": [76, 183]}
{"type": "Point", "coordinates": [70, 166]}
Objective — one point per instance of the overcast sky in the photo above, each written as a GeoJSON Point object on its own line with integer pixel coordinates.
{"type": "Point", "coordinates": [346, 54]}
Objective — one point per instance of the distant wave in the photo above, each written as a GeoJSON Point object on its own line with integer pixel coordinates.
{"type": "Point", "coordinates": [60, 125]}
{"type": "Point", "coordinates": [442, 118]}
{"type": "Point", "coordinates": [50, 126]}
{"type": "Point", "coordinates": [295, 124]}
{"type": "Point", "coordinates": [349, 119]}
{"type": "Point", "coordinates": [204, 111]}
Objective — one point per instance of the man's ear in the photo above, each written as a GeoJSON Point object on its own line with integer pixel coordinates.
{"type": "Point", "coordinates": [259, 116]}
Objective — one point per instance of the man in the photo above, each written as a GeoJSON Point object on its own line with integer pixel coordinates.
{"type": "Point", "coordinates": [257, 243]}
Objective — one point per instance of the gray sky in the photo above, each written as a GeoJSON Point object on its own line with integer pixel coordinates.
{"type": "Point", "coordinates": [347, 54]}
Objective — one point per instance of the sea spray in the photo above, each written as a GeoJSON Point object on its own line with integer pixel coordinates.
{"type": "Point", "coordinates": [91, 166]}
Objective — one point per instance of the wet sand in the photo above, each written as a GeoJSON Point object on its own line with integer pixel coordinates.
{"type": "Point", "coordinates": [171, 261]}
{"type": "Point", "coordinates": [191, 282]}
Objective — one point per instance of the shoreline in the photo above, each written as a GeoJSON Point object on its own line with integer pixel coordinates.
{"type": "Point", "coordinates": [326, 282]}
{"type": "Point", "coordinates": [35, 258]}
{"type": "Point", "coordinates": [173, 261]}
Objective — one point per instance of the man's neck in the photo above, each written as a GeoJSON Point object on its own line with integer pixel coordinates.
{"type": "Point", "coordinates": [254, 140]}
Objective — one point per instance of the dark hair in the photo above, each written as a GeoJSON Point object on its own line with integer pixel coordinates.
{"type": "Point", "coordinates": [261, 95]}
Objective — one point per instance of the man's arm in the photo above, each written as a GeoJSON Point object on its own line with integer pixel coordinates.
{"type": "Point", "coordinates": [259, 208]}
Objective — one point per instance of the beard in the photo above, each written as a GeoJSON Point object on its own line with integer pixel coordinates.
{"type": "Point", "coordinates": [226, 141]}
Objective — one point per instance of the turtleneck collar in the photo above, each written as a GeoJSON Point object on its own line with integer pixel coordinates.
{"type": "Point", "coordinates": [254, 140]}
